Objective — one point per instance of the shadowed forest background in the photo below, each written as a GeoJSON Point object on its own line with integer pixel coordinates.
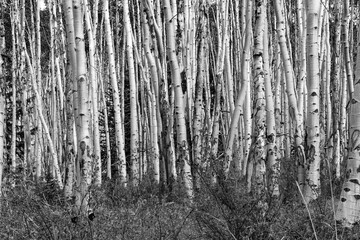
{"type": "Point", "coordinates": [179, 119]}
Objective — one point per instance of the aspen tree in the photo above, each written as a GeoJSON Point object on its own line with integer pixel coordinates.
{"type": "Point", "coordinates": [134, 139]}
{"type": "Point", "coordinates": [343, 119]}
{"type": "Point", "coordinates": [182, 143]}
{"type": "Point", "coordinates": [271, 147]}
{"type": "Point", "coordinates": [102, 75]}
{"type": "Point", "coordinates": [222, 30]}
{"type": "Point", "coordinates": [246, 76]}
{"type": "Point", "coordinates": [155, 118]}
{"type": "Point", "coordinates": [21, 70]}
{"type": "Point", "coordinates": [278, 110]}
{"type": "Point", "coordinates": [348, 211]}
{"type": "Point", "coordinates": [2, 96]}
{"type": "Point", "coordinates": [335, 81]}
{"type": "Point", "coordinates": [53, 103]}
{"type": "Point", "coordinates": [29, 152]}
{"type": "Point", "coordinates": [243, 93]}
{"type": "Point", "coordinates": [39, 108]}
{"type": "Point", "coordinates": [107, 134]}
{"type": "Point", "coordinates": [84, 154]}
{"type": "Point", "coordinates": [161, 89]}
{"type": "Point", "coordinates": [347, 50]}
{"type": "Point", "coordinates": [259, 112]}
{"type": "Point", "coordinates": [229, 107]}
{"type": "Point", "coordinates": [327, 70]}
{"type": "Point", "coordinates": [232, 74]}
{"type": "Point", "coordinates": [286, 118]}
{"type": "Point", "coordinates": [94, 95]}
{"type": "Point", "coordinates": [301, 56]}
{"type": "Point", "coordinates": [199, 104]}
{"type": "Point", "coordinates": [312, 186]}
{"type": "Point", "coordinates": [71, 98]}
{"type": "Point", "coordinates": [349, 89]}
{"type": "Point", "coordinates": [14, 30]}
{"type": "Point", "coordinates": [292, 100]}
{"type": "Point", "coordinates": [119, 131]}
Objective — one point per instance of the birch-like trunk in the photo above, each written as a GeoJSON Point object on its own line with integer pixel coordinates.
{"type": "Point", "coordinates": [199, 102]}
{"type": "Point", "coordinates": [271, 147]}
{"type": "Point", "coordinates": [119, 131]}
{"type": "Point", "coordinates": [84, 154]}
{"type": "Point", "coordinates": [134, 139]}
{"type": "Point", "coordinates": [259, 110]}
{"type": "Point", "coordinates": [14, 20]}
{"type": "Point", "coordinates": [155, 121]}
{"type": "Point", "coordinates": [39, 108]}
{"type": "Point", "coordinates": [348, 211]}
{"type": "Point", "coordinates": [38, 80]}
{"type": "Point", "coordinates": [94, 93]}
{"type": "Point", "coordinates": [71, 98]}
{"type": "Point", "coordinates": [2, 102]}
{"type": "Point", "coordinates": [295, 115]}
{"type": "Point", "coordinates": [312, 184]}
{"type": "Point", "coordinates": [182, 143]}
{"type": "Point", "coordinates": [243, 96]}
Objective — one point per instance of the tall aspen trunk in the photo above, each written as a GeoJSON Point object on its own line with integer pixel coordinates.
{"type": "Point", "coordinates": [94, 94]}
{"type": "Point", "coordinates": [153, 101]}
{"type": "Point", "coordinates": [271, 151]}
{"type": "Point", "coordinates": [107, 133]}
{"type": "Point", "coordinates": [134, 139]}
{"type": "Point", "coordinates": [259, 110]}
{"type": "Point", "coordinates": [335, 85]}
{"type": "Point", "coordinates": [84, 154]}
{"type": "Point", "coordinates": [39, 108]}
{"type": "Point", "coordinates": [278, 110]}
{"type": "Point", "coordinates": [312, 185]}
{"type": "Point", "coordinates": [199, 101]}
{"type": "Point", "coordinates": [347, 50]}
{"type": "Point", "coordinates": [71, 98]}
{"type": "Point", "coordinates": [349, 89]}
{"type": "Point", "coordinates": [182, 143]}
{"type": "Point", "coordinates": [119, 131]}
{"type": "Point", "coordinates": [348, 211]}
{"type": "Point", "coordinates": [301, 56]}
{"type": "Point", "coordinates": [243, 95]}
{"type": "Point", "coordinates": [14, 20]}
{"type": "Point", "coordinates": [2, 101]}
{"type": "Point", "coordinates": [38, 80]}
{"type": "Point", "coordinates": [295, 115]}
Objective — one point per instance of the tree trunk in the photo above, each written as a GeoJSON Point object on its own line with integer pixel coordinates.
{"type": "Point", "coordinates": [312, 185]}
{"type": "Point", "coordinates": [182, 143]}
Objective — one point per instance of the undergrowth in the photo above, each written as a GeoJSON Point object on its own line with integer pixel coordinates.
{"type": "Point", "coordinates": [224, 211]}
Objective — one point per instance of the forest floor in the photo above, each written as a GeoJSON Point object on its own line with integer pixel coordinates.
{"type": "Point", "coordinates": [30, 211]}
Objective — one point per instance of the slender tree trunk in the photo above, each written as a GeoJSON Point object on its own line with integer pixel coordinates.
{"type": "Point", "coordinates": [348, 211]}
{"type": "Point", "coordinates": [182, 143]}
{"type": "Point", "coordinates": [153, 101]}
{"type": "Point", "coordinates": [243, 95]}
{"type": "Point", "coordinates": [2, 99]}
{"type": "Point", "coordinates": [292, 100]}
{"type": "Point", "coordinates": [259, 110]}
{"type": "Point", "coordinates": [134, 139]}
{"type": "Point", "coordinates": [71, 98]}
{"type": "Point", "coordinates": [84, 154]}
{"type": "Point", "coordinates": [199, 104]}
{"type": "Point", "coordinates": [14, 19]}
{"type": "Point", "coordinates": [312, 186]}
{"type": "Point", "coordinates": [336, 81]}
{"type": "Point", "coordinates": [271, 148]}
{"type": "Point", "coordinates": [119, 131]}
{"type": "Point", "coordinates": [39, 108]}
{"type": "Point", "coordinates": [94, 93]}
